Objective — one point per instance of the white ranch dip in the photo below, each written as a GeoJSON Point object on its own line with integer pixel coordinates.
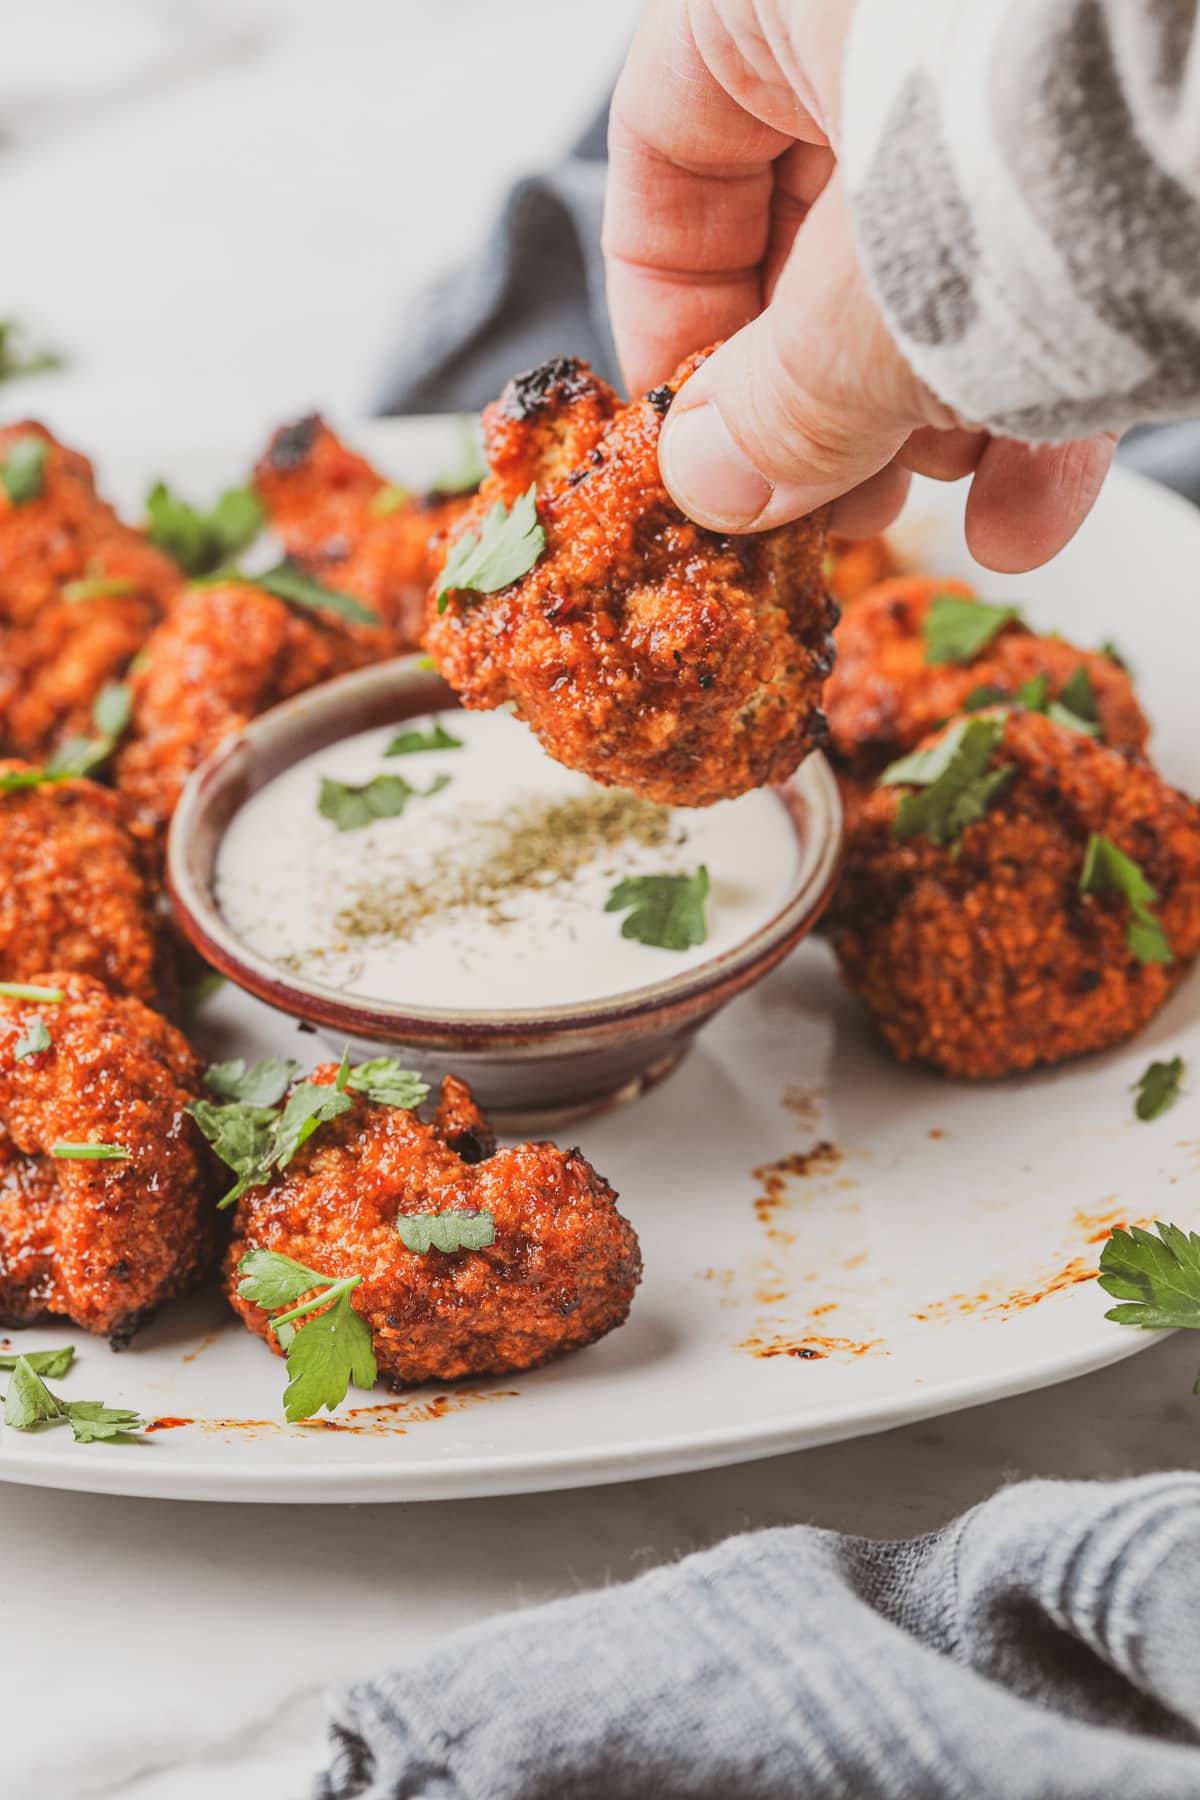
{"type": "Point", "coordinates": [488, 894]}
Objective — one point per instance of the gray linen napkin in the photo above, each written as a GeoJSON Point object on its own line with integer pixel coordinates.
{"type": "Point", "coordinates": [1045, 1644]}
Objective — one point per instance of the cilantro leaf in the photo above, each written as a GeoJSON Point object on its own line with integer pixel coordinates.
{"type": "Point", "coordinates": [16, 360]}
{"type": "Point", "coordinates": [956, 785]}
{"type": "Point", "coordinates": [244, 1139]}
{"type": "Point", "coordinates": [95, 587]}
{"type": "Point", "coordinates": [1109, 649]}
{"type": "Point", "coordinates": [446, 1231]}
{"type": "Point", "coordinates": [262, 1084]}
{"type": "Point", "coordinates": [1034, 694]}
{"type": "Point", "coordinates": [343, 1074]}
{"type": "Point", "coordinates": [986, 694]}
{"type": "Point", "coordinates": [310, 1105]}
{"type": "Point", "coordinates": [80, 755]}
{"type": "Point", "coordinates": [1079, 697]}
{"type": "Point", "coordinates": [385, 1082]}
{"type": "Point", "coordinates": [1158, 1088]}
{"type": "Point", "coordinates": [664, 911]}
{"type": "Point", "coordinates": [23, 471]}
{"type": "Point", "coordinates": [508, 545]}
{"type": "Point", "coordinates": [29, 1404]}
{"type": "Point", "coordinates": [67, 1152]}
{"type": "Point", "coordinates": [409, 743]}
{"type": "Point", "coordinates": [292, 585]}
{"type": "Point", "coordinates": [956, 630]}
{"type": "Point", "coordinates": [383, 797]}
{"type": "Point", "coordinates": [37, 1038]}
{"type": "Point", "coordinates": [199, 541]}
{"type": "Point", "coordinates": [21, 990]}
{"type": "Point", "coordinates": [1108, 870]}
{"type": "Point", "coordinates": [329, 1350]}
{"type": "Point", "coordinates": [1157, 1277]}
{"type": "Point", "coordinates": [42, 1362]}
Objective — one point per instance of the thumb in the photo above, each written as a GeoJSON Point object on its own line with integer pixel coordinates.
{"type": "Point", "coordinates": [802, 405]}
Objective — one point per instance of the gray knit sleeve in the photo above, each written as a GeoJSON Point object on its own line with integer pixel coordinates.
{"type": "Point", "coordinates": [1025, 182]}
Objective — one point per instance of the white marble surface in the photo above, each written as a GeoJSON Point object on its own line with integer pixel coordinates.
{"type": "Point", "coordinates": [218, 210]}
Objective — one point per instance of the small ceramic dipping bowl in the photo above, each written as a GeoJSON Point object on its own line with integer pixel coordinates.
{"type": "Point", "coordinates": [530, 1069]}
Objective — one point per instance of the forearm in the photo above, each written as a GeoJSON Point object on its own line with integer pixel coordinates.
{"type": "Point", "coordinates": [1025, 181]}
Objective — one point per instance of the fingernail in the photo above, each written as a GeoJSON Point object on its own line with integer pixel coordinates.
{"type": "Point", "coordinates": [708, 473]}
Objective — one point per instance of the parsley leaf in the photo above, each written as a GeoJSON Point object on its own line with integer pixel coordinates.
{"type": "Point", "coordinates": [327, 1352]}
{"type": "Point", "coordinates": [42, 1362]}
{"type": "Point", "coordinates": [1157, 1277]}
{"type": "Point", "coordinates": [95, 587]}
{"type": "Point", "coordinates": [409, 743]}
{"type": "Point", "coordinates": [291, 584]}
{"type": "Point", "coordinates": [199, 541]}
{"type": "Point", "coordinates": [35, 1039]}
{"type": "Point", "coordinates": [665, 911]}
{"type": "Point", "coordinates": [67, 1152]}
{"type": "Point", "coordinates": [383, 797]}
{"type": "Point", "coordinates": [1079, 697]}
{"type": "Point", "coordinates": [1158, 1088]}
{"type": "Point", "coordinates": [1107, 870]}
{"type": "Point", "coordinates": [385, 1082]}
{"type": "Point", "coordinates": [956, 630]}
{"type": "Point", "coordinates": [508, 545]}
{"type": "Point", "coordinates": [956, 785]}
{"type": "Point", "coordinates": [1109, 649]}
{"type": "Point", "coordinates": [16, 360]}
{"type": "Point", "coordinates": [1034, 696]}
{"type": "Point", "coordinates": [987, 694]}
{"type": "Point", "coordinates": [81, 755]}
{"type": "Point", "coordinates": [21, 990]}
{"type": "Point", "coordinates": [262, 1084]}
{"type": "Point", "coordinates": [22, 473]}
{"type": "Point", "coordinates": [29, 1404]}
{"type": "Point", "coordinates": [244, 1139]}
{"type": "Point", "coordinates": [446, 1231]}
{"type": "Point", "coordinates": [310, 1105]}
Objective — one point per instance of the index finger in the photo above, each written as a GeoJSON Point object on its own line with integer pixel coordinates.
{"type": "Point", "coordinates": [688, 209]}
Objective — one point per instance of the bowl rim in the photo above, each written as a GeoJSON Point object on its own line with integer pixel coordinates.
{"type": "Point", "coordinates": [810, 794]}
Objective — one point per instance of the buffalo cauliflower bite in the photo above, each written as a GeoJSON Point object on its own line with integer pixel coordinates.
{"type": "Point", "coordinates": [102, 1243]}
{"type": "Point", "coordinates": [985, 956]}
{"type": "Point", "coordinates": [883, 696]}
{"type": "Point", "coordinates": [72, 895]}
{"type": "Point", "coordinates": [651, 654]}
{"type": "Point", "coordinates": [340, 520]}
{"type": "Point", "coordinates": [560, 1274]}
{"type": "Point", "coordinates": [853, 566]}
{"type": "Point", "coordinates": [227, 653]}
{"type": "Point", "coordinates": [79, 594]}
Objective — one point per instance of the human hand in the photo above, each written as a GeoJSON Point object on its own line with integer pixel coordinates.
{"type": "Point", "coordinates": [727, 218]}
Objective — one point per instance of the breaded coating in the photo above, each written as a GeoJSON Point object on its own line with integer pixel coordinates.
{"type": "Point", "coordinates": [883, 696]}
{"type": "Point", "coordinates": [57, 652]}
{"type": "Point", "coordinates": [561, 1273]}
{"type": "Point", "coordinates": [227, 653]}
{"type": "Point", "coordinates": [72, 895]}
{"type": "Point", "coordinates": [343, 522]}
{"type": "Point", "coordinates": [985, 957]}
{"type": "Point", "coordinates": [651, 654]}
{"type": "Point", "coordinates": [100, 1243]}
{"type": "Point", "coordinates": [853, 566]}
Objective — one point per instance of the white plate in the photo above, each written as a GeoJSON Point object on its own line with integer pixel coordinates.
{"type": "Point", "coordinates": [937, 1256]}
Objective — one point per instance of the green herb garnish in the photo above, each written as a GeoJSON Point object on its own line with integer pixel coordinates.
{"type": "Point", "coordinates": [21, 990]}
{"type": "Point", "coordinates": [1109, 649]}
{"type": "Point", "coordinates": [389, 499]}
{"type": "Point", "coordinates": [957, 787]}
{"type": "Point", "coordinates": [16, 360]}
{"type": "Point", "coordinates": [1158, 1088]}
{"type": "Point", "coordinates": [42, 1362]}
{"type": "Point", "coordinates": [446, 1231]}
{"type": "Point", "coordinates": [16, 781]}
{"type": "Point", "coordinates": [29, 1404]}
{"type": "Point", "coordinates": [202, 989]}
{"type": "Point", "coordinates": [82, 755]}
{"type": "Point", "coordinates": [409, 743]}
{"type": "Point", "coordinates": [261, 1084]}
{"type": "Point", "coordinates": [292, 585]}
{"type": "Point", "coordinates": [1157, 1278]}
{"type": "Point", "coordinates": [508, 545]}
{"type": "Point", "coordinates": [22, 473]}
{"type": "Point", "coordinates": [1079, 697]}
{"type": "Point", "coordinates": [1034, 696]}
{"type": "Point", "coordinates": [203, 541]}
{"type": "Point", "coordinates": [665, 911]}
{"type": "Point", "coordinates": [90, 1152]}
{"type": "Point", "coordinates": [1107, 870]}
{"type": "Point", "coordinates": [96, 587]}
{"type": "Point", "coordinates": [956, 630]}
{"type": "Point", "coordinates": [383, 797]}
{"type": "Point", "coordinates": [35, 1039]}
{"type": "Point", "coordinates": [327, 1352]}
{"type": "Point", "coordinates": [987, 694]}
{"type": "Point", "coordinates": [388, 1084]}
{"type": "Point", "coordinates": [244, 1139]}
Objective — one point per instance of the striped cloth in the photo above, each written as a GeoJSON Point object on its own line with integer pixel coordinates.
{"type": "Point", "coordinates": [1046, 1644]}
{"type": "Point", "coordinates": [1025, 182]}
